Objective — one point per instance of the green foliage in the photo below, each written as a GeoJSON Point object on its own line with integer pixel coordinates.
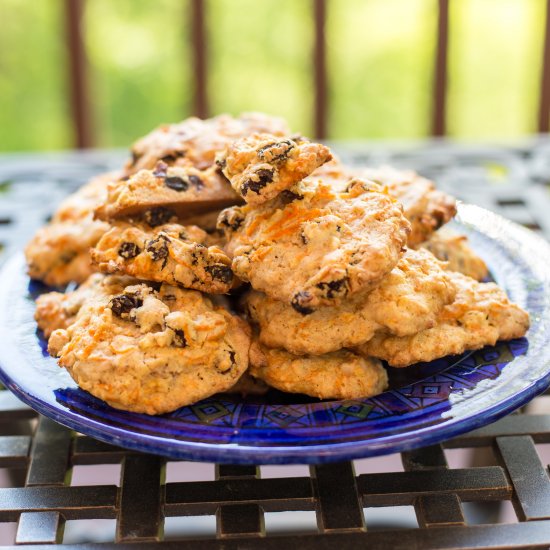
{"type": "Point", "coordinates": [380, 60]}
{"type": "Point", "coordinates": [496, 59]}
{"type": "Point", "coordinates": [34, 112]}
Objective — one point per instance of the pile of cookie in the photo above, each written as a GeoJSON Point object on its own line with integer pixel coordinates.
{"type": "Point", "coordinates": [229, 255]}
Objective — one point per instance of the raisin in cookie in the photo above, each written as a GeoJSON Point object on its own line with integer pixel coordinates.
{"type": "Point", "coordinates": [59, 309]}
{"type": "Point", "coordinates": [59, 252]}
{"type": "Point", "coordinates": [453, 249]}
{"type": "Point", "coordinates": [161, 195]}
{"type": "Point", "coordinates": [480, 315]}
{"type": "Point", "coordinates": [172, 253]}
{"type": "Point", "coordinates": [338, 375]}
{"type": "Point", "coordinates": [195, 142]}
{"type": "Point", "coordinates": [313, 246]}
{"type": "Point", "coordinates": [406, 301]}
{"type": "Point", "coordinates": [151, 351]}
{"type": "Point", "coordinates": [260, 166]}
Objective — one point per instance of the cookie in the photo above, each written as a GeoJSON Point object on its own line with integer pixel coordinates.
{"type": "Point", "coordinates": [171, 253]}
{"type": "Point", "coordinates": [426, 207]}
{"type": "Point", "coordinates": [480, 315]}
{"type": "Point", "coordinates": [260, 166]}
{"type": "Point", "coordinates": [195, 142]}
{"type": "Point", "coordinates": [338, 375]}
{"type": "Point", "coordinates": [59, 252]}
{"type": "Point", "coordinates": [165, 193]}
{"type": "Point", "coordinates": [151, 351]}
{"type": "Point", "coordinates": [453, 249]}
{"type": "Point", "coordinates": [406, 301]}
{"type": "Point", "coordinates": [312, 246]}
{"type": "Point", "coordinates": [59, 310]}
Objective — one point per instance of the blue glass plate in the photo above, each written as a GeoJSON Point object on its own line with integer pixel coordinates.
{"type": "Point", "coordinates": [426, 403]}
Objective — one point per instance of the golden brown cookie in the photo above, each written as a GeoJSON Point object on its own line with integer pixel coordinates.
{"type": "Point", "coordinates": [260, 166]}
{"type": "Point", "coordinates": [59, 252]}
{"type": "Point", "coordinates": [313, 246]}
{"type": "Point", "coordinates": [452, 248]}
{"type": "Point", "coordinates": [407, 300]}
{"type": "Point", "coordinates": [152, 351]}
{"type": "Point", "coordinates": [426, 207]}
{"type": "Point", "coordinates": [171, 253]}
{"type": "Point", "coordinates": [195, 142]}
{"type": "Point", "coordinates": [480, 315]}
{"type": "Point", "coordinates": [338, 375]}
{"type": "Point", "coordinates": [165, 193]}
{"type": "Point", "coordinates": [59, 309]}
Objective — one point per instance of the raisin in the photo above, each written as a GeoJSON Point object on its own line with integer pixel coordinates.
{"type": "Point", "coordinates": [232, 357]}
{"type": "Point", "coordinates": [221, 163]}
{"type": "Point", "coordinates": [299, 302]}
{"type": "Point", "coordinates": [67, 256]}
{"type": "Point", "coordinates": [275, 152]}
{"type": "Point", "coordinates": [197, 251]}
{"type": "Point", "coordinates": [124, 303]}
{"type": "Point", "coordinates": [231, 218]}
{"type": "Point", "coordinates": [334, 288]}
{"type": "Point", "coordinates": [128, 250]}
{"type": "Point", "coordinates": [259, 180]}
{"type": "Point", "coordinates": [158, 215]}
{"type": "Point", "coordinates": [220, 272]}
{"type": "Point", "coordinates": [196, 181]}
{"type": "Point", "coordinates": [171, 157]}
{"type": "Point", "coordinates": [287, 196]}
{"type": "Point", "coordinates": [183, 235]}
{"type": "Point", "coordinates": [160, 170]}
{"type": "Point", "coordinates": [179, 340]}
{"type": "Point", "coordinates": [158, 249]}
{"type": "Point", "coordinates": [176, 183]}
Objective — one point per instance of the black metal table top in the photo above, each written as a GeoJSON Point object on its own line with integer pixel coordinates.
{"type": "Point", "coordinates": [487, 489]}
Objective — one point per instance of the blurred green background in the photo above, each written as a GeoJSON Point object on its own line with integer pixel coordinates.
{"type": "Point", "coordinates": [380, 62]}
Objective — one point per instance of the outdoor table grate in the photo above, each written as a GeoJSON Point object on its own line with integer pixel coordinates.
{"type": "Point", "coordinates": [45, 489]}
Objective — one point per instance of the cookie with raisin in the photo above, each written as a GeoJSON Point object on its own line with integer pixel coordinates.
{"type": "Point", "coordinates": [170, 253]}
{"type": "Point", "coordinates": [153, 351]}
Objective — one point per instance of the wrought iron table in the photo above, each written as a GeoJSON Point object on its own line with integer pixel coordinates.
{"type": "Point", "coordinates": [59, 486]}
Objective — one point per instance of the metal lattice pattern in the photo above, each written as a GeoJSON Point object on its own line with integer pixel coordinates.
{"type": "Point", "coordinates": [239, 497]}
{"type": "Point", "coordinates": [41, 459]}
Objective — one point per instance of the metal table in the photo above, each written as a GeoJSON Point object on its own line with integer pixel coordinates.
{"type": "Point", "coordinates": [59, 486]}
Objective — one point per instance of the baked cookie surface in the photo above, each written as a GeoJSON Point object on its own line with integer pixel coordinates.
{"type": "Point", "coordinates": [407, 300]}
{"type": "Point", "coordinates": [59, 252]}
{"type": "Point", "coordinates": [59, 309]}
{"type": "Point", "coordinates": [313, 246]}
{"type": "Point", "coordinates": [260, 166]}
{"type": "Point", "coordinates": [171, 253]}
{"type": "Point", "coordinates": [452, 248]}
{"type": "Point", "coordinates": [480, 315]}
{"type": "Point", "coordinates": [195, 142]}
{"type": "Point", "coordinates": [160, 195]}
{"type": "Point", "coordinates": [152, 351]}
{"type": "Point", "coordinates": [426, 207]}
{"type": "Point", "coordinates": [338, 375]}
